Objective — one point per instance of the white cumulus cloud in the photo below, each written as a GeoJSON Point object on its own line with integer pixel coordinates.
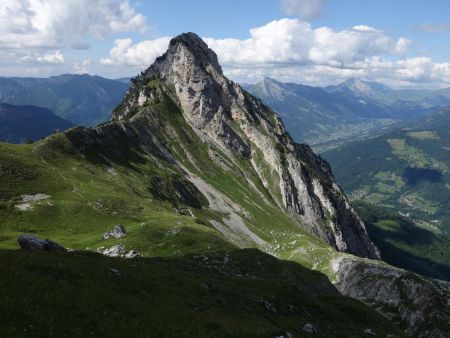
{"type": "Point", "coordinates": [53, 58]}
{"type": "Point", "coordinates": [56, 23]}
{"type": "Point", "coordinates": [141, 54]}
{"type": "Point", "coordinates": [285, 41]}
{"type": "Point", "coordinates": [294, 41]}
{"type": "Point", "coordinates": [293, 50]}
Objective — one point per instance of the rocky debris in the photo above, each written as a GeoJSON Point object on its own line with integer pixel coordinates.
{"type": "Point", "coordinates": [118, 251]}
{"type": "Point", "coordinates": [115, 271]}
{"type": "Point", "coordinates": [28, 200]}
{"type": "Point", "coordinates": [34, 198]}
{"type": "Point", "coordinates": [24, 206]}
{"type": "Point", "coordinates": [174, 230]}
{"type": "Point", "coordinates": [112, 171]}
{"type": "Point", "coordinates": [236, 230]}
{"type": "Point", "coordinates": [310, 328]}
{"type": "Point", "coordinates": [269, 306]}
{"type": "Point", "coordinates": [369, 332]}
{"type": "Point", "coordinates": [28, 242]}
{"type": "Point", "coordinates": [118, 232]}
{"type": "Point", "coordinates": [184, 211]}
{"type": "Point", "coordinates": [396, 293]}
{"type": "Point", "coordinates": [205, 286]}
{"type": "Point", "coordinates": [286, 335]}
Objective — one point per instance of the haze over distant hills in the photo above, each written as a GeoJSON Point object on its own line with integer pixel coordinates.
{"type": "Point", "coordinates": [322, 117]}
{"type": "Point", "coordinates": [19, 124]}
{"type": "Point", "coordinates": [329, 116]}
{"type": "Point", "coordinates": [82, 99]}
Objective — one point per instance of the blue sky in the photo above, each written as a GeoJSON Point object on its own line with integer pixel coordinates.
{"type": "Point", "coordinates": [319, 42]}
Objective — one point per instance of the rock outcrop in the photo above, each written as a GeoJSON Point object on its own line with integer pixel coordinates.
{"type": "Point", "coordinates": [222, 114]}
{"type": "Point", "coordinates": [421, 305]}
{"type": "Point", "coordinates": [28, 242]}
{"type": "Point", "coordinates": [118, 232]}
{"type": "Point", "coordinates": [118, 251]}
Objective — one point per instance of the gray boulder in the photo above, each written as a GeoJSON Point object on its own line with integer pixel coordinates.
{"type": "Point", "coordinates": [28, 242]}
{"type": "Point", "coordinates": [309, 328]}
{"type": "Point", "coordinates": [118, 232]}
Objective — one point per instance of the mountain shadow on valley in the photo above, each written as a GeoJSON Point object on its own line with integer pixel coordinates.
{"type": "Point", "coordinates": [413, 176]}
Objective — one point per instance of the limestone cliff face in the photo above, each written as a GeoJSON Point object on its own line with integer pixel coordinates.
{"type": "Point", "coordinates": [222, 114]}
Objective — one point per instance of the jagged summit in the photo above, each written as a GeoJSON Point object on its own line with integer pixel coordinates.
{"type": "Point", "coordinates": [186, 47]}
{"type": "Point", "coordinates": [198, 47]}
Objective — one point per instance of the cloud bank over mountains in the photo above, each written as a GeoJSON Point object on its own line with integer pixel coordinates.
{"type": "Point", "coordinates": [35, 34]}
{"type": "Point", "coordinates": [292, 50]}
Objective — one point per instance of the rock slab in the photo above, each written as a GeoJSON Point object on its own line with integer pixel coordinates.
{"type": "Point", "coordinates": [28, 242]}
{"type": "Point", "coordinates": [118, 232]}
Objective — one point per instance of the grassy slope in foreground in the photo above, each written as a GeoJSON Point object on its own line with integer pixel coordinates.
{"type": "Point", "coordinates": [240, 293]}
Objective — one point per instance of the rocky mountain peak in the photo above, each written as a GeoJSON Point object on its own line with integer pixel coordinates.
{"type": "Point", "coordinates": [186, 52]}
{"type": "Point", "coordinates": [269, 81]}
{"type": "Point", "coordinates": [189, 73]}
{"type": "Point", "coordinates": [236, 125]}
{"type": "Point", "coordinates": [362, 88]}
{"type": "Point", "coordinates": [271, 84]}
{"type": "Point", "coordinates": [197, 47]}
{"type": "Point", "coordinates": [270, 88]}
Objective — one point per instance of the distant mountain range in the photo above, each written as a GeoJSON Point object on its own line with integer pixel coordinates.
{"type": "Point", "coordinates": [124, 80]}
{"type": "Point", "coordinates": [20, 124]}
{"type": "Point", "coordinates": [322, 117]}
{"type": "Point", "coordinates": [330, 116]}
{"type": "Point", "coordinates": [409, 101]}
{"type": "Point", "coordinates": [82, 99]}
